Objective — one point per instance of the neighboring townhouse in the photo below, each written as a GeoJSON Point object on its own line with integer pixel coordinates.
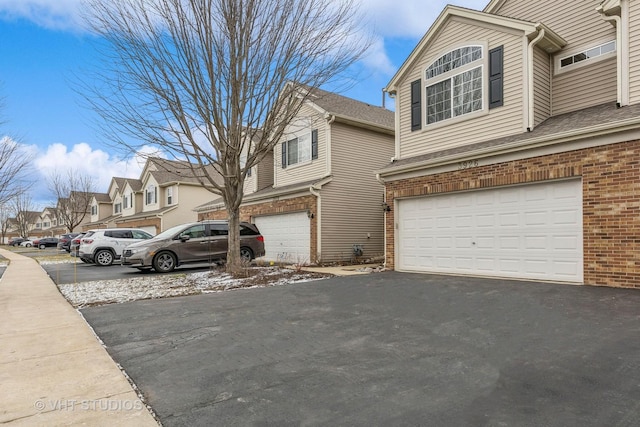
{"type": "Point", "coordinates": [518, 144]}
{"type": "Point", "coordinates": [317, 198]}
{"type": "Point", "coordinates": [166, 195]}
{"type": "Point", "coordinates": [46, 224]}
{"type": "Point", "coordinates": [101, 208]}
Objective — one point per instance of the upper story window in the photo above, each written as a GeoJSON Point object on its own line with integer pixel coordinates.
{"type": "Point", "coordinates": [94, 210]}
{"type": "Point", "coordinates": [125, 201]}
{"type": "Point", "coordinates": [302, 149]}
{"type": "Point", "coordinates": [454, 84]}
{"type": "Point", "coordinates": [169, 195]}
{"type": "Point", "coordinates": [151, 195]}
{"type": "Point", "coordinates": [117, 208]}
{"type": "Point", "coordinates": [602, 51]}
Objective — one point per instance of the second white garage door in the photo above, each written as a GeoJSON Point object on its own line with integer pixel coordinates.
{"type": "Point", "coordinates": [287, 237]}
{"type": "Point", "coordinates": [529, 231]}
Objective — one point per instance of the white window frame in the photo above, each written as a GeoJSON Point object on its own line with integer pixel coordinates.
{"type": "Point", "coordinates": [170, 200]}
{"type": "Point", "coordinates": [592, 57]}
{"type": "Point", "coordinates": [150, 195]}
{"type": "Point", "coordinates": [117, 208]}
{"type": "Point", "coordinates": [305, 136]}
{"type": "Point", "coordinates": [480, 63]}
{"type": "Point", "coordinates": [94, 210]}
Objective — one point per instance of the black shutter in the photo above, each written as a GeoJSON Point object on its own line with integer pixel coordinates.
{"type": "Point", "coordinates": [495, 77]}
{"type": "Point", "coordinates": [314, 144]}
{"type": "Point", "coordinates": [416, 105]}
{"type": "Point", "coordinates": [284, 154]}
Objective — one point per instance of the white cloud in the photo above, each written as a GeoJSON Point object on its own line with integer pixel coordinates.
{"type": "Point", "coordinates": [96, 163]}
{"type": "Point", "coordinates": [409, 18]}
{"type": "Point", "coordinates": [51, 14]}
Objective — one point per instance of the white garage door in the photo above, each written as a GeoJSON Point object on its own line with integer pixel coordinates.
{"type": "Point", "coordinates": [151, 229]}
{"type": "Point", "coordinates": [530, 231]}
{"type": "Point", "coordinates": [287, 237]}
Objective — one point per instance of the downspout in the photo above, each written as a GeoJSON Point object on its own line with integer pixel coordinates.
{"type": "Point", "coordinates": [618, 23]}
{"type": "Point", "coordinates": [330, 119]}
{"type": "Point", "coordinates": [531, 89]}
{"type": "Point", "coordinates": [384, 200]}
{"type": "Point", "coordinates": [316, 193]}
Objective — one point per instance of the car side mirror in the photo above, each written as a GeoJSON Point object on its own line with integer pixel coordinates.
{"type": "Point", "coordinates": [184, 237]}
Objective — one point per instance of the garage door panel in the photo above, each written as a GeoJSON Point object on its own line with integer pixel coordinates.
{"type": "Point", "coordinates": [530, 231]}
{"type": "Point", "coordinates": [287, 237]}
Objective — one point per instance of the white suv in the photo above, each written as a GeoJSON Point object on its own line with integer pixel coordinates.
{"type": "Point", "coordinates": [105, 245]}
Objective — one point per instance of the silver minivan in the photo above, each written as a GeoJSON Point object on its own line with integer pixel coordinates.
{"type": "Point", "coordinates": [205, 241]}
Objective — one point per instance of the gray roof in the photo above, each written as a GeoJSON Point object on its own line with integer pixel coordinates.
{"type": "Point", "coordinates": [119, 181]}
{"type": "Point", "coordinates": [180, 171]}
{"type": "Point", "coordinates": [102, 197]}
{"type": "Point", "coordinates": [266, 193]}
{"type": "Point", "coordinates": [135, 184]}
{"type": "Point", "coordinates": [600, 115]}
{"type": "Point", "coordinates": [352, 109]}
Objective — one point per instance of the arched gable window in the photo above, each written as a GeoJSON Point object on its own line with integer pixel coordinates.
{"type": "Point", "coordinates": [454, 84]}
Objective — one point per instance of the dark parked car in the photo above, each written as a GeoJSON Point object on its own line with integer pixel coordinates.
{"type": "Point", "coordinates": [205, 241]}
{"type": "Point", "coordinates": [74, 246]}
{"type": "Point", "coordinates": [64, 242]}
{"type": "Point", "coordinates": [15, 241]}
{"type": "Point", "coordinates": [45, 242]}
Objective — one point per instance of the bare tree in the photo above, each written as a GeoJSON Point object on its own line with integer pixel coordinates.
{"type": "Point", "coordinates": [73, 191]}
{"type": "Point", "coordinates": [15, 162]}
{"type": "Point", "coordinates": [24, 213]}
{"type": "Point", "coordinates": [5, 221]}
{"type": "Point", "coordinates": [215, 82]}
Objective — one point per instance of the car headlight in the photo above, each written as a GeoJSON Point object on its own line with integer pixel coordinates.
{"type": "Point", "coordinates": [135, 250]}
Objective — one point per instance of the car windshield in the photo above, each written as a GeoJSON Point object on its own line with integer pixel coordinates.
{"type": "Point", "coordinates": [170, 232]}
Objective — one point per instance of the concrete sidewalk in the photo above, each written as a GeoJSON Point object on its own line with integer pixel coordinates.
{"type": "Point", "coordinates": [53, 370]}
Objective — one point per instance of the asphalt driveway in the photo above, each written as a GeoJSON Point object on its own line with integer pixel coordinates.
{"type": "Point", "coordinates": [384, 349]}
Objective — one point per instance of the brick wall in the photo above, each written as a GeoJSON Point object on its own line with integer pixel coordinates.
{"type": "Point", "coordinates": [611, 202]}
{"type": "Point", "coordinates": [297, 204]}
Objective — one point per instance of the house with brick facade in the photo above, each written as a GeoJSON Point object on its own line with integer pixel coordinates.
{"type": "Point", "coordinates": [316, 198]}
{"type": "Point", "coordinates": [517, 147]}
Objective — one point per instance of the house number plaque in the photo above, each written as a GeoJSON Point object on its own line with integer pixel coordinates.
{"type": "Point", "coordinates": [468, 164]}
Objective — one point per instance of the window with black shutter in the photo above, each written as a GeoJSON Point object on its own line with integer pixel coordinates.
{"type": "Point", "coordinates": [416, 105]}
{"type": "Point", "coordinates": [496, 79]}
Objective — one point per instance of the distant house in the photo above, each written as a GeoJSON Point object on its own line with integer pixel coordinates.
{"type": "Point", "coordinates": [518, 144]}
{"type": "Point", "coordinates": [316, 197]}
{"type": "Point", "coordinates": [164, 196]}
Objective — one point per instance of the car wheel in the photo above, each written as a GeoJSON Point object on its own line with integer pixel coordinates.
{"type": "Point", "coordinates": [28, 245]}
{"type": "Point", "coordinates": [42, 246]}
{"type": "Point", "coordinates": [104, 258]}
{"type": "Point", "coordinates": [246, 254]}
{"type": "Point", "coordinates": [164, 262]}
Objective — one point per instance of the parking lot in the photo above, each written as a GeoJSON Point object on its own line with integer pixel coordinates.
{"type": "Point", "coordinates": [384, 349]}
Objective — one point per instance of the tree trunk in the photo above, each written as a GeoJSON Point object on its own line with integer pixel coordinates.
{"type": "Point", "coordinates": [234, 263]}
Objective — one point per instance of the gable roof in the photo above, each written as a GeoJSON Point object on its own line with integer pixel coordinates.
{"type": "Point", "coordinates": [551, 42]}
{"type": "Point", "coordinates": [352, 111]}
{"type": "Point", "coordinates": [135, 184]}
{"type": "Point", "coordinates": [166, 171]}
{"type": "Point", "coordinates": [102, 197]}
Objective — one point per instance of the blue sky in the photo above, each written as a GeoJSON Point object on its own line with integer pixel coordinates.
{"type": "Point", "coordinates": [44, 49]}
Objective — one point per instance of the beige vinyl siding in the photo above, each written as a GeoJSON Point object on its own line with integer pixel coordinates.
{"type": "Point", "coordinates": [634, 49]}
{"type": "Point", "coordinates": [264, 174]}
{"type": "Point", "coordinates": [575, 20]}
{"type": "Point", "coordinates": [250, 183]}
{"type": "Point", "coordinates": [585, 87]}
{"type": "Point", "coordinates": [542, 86]}
{"type": "Point", "coordinates": [351, 202]}
{"type": "Point", "coordinates": [311, 170]}
{"type": "Point", "coordinates": [502, 121]}
{"type": "Point", "coordinates": [191, 196]}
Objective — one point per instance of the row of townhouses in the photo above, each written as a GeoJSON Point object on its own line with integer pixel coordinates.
{"type": "Point", "coordinates": [513, 151]}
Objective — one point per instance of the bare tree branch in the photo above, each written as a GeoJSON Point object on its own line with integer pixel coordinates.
{"type": "Point", "coordinates": [24, 213]}
{"type": "Point", "coordinates": [211, 81]}
{"type": "Point", "coordinates": [73, 192]}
